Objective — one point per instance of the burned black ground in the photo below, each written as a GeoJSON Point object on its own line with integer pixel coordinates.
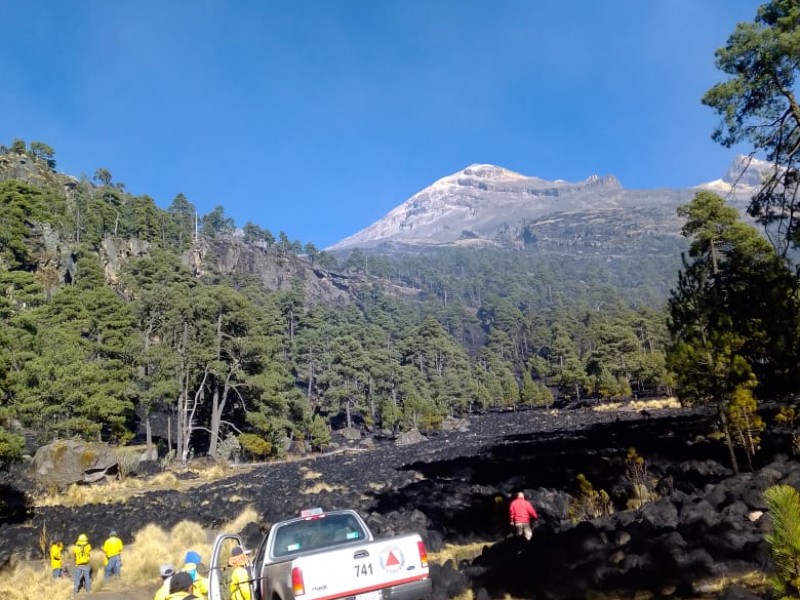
{"type": "Point", "coordinates": [454, 488]}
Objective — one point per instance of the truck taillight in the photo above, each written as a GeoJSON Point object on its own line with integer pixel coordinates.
{"type": "Point", "coordinates": [423, 554]}
{"type": "Point", "coordinates": [298, 588]}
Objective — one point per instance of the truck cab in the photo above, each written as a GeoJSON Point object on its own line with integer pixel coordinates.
{"type": "Point", "coordinates": [326, 556]}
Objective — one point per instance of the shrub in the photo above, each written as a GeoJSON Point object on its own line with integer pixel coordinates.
{"type": "Point", "coordinates": [319, 433]}
{"type": "Point", "coordinates": [589, 503]}
{"type": "Point", "coordinates": [636, 473]}
{"type": "Point", "coordinates": [127, 459]}
{"type": "Point", "coordinates": [227, 449]}
{"type": "Point", "coordinates": [254, 445]}
{"type": "Point", "coordinates": [168, 459]}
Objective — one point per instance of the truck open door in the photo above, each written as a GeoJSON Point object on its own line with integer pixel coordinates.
{"type": "Point", "coordinates": [219, 572]}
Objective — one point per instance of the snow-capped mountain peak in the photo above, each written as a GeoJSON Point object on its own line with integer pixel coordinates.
{"type": "Point", "coordinates": [472, 202]}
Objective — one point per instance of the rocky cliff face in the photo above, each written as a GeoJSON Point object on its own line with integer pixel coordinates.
{"type": "Point", "coordinates": [231, 256]}
{"type": "Point", "coordinates": [53, 258]}
{"type": "Point", "coordinates": [487, 204]}
{"type": "Point", "coordinates": [227, 257]}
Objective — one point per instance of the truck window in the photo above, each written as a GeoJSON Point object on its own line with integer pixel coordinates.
{"type": "Point", "coordinates": [315, 534]}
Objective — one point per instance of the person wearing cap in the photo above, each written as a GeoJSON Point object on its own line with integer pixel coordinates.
{"type": "Point", "coordinates": [190, 564]}
{"type": "Point", "coordinates": [240, 578]}
{"type": "Point", "coordinates": [55, 558]}
{"type": "Point", "coordinates": [112, 548]}
{"type": "Point", "coordinates": [82, 551]}
{"type": "Point", "coordinates": [165, 572]}
{"type": "Point", "coordinates": [181, 586]}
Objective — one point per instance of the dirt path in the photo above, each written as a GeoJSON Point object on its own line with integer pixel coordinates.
{"type": "Point", "coordinates": [134, 594]}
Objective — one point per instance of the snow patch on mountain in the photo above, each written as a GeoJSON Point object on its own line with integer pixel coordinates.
{"type": "Point", "coordinates": [743, 177]}
{"type": "Point", "coordinates": [488, 204]}
{"type": "Point", "coordinates": [475, 201]}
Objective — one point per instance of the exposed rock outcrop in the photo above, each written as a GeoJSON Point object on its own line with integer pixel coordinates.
{"type": "Point", "coordinates": [67, 461]}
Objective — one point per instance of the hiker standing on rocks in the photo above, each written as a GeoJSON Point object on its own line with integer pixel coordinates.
{"type": "Point", "coordinates": [112, 548]}
{"type": "Point", "coordinates": [55, 558]}
{"type": "Point", "coordinates": [240, 578]}
{"type": "Point", "coordinates": [82, 551]}
{"type": "Point", "coordinates": [520, 513]}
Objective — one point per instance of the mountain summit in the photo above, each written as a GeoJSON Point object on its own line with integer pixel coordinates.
{"type": "Point", "coordinates": [476, 201]}
{"type": "Point", "coordinates": [488, 205]}
{"type": "Point", "coordinates": [744, 176]}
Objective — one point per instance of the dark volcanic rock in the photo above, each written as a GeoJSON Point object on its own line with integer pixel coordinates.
{"type": "Point", "coordinates": [455, 487]}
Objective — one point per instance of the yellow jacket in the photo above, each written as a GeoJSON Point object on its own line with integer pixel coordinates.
{"type": "Point", "coordinates": [179, 595]}
{"type": "Point", "coordinates": [163, 591]}
{"type": "Point", "coordinates": [240, 584]}
{"type": "Point", "coordinates": [55, 556]}
{"type": "Point", "coordinates": [82, 554]}
{"type": "Point", "coordinates": [112, 546]}
{"type": "Point", "coordinates": [200, 588]}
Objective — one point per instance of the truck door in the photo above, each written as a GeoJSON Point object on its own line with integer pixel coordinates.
{"type": "Point", "coordinates": [219, 573]}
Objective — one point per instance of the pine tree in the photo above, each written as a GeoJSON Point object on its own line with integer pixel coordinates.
{"type": "Point", "coordinates": [784, 540]}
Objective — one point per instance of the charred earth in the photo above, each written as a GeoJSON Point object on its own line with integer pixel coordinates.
{"type": "Point", "coordinates": [700, 525]}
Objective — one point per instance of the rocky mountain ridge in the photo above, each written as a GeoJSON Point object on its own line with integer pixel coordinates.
{"type": "Point", "coordinates": [227, 255]}
{"type": "Point", "coordinates": [490, 205]}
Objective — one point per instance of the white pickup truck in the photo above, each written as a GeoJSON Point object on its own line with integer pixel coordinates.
{"type": "Point", "coordinates": [326, 556]}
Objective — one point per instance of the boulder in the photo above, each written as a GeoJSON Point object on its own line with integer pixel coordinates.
{"type": "Point", "coordinates": [351, 434]}
{"type": "Point", "coordinates": [410, 437]}
{"type": "Point", "coordinates": [65, 462]}
{"type": "Point", "coordinates": [552, 505]}
{"type": "Point", "coordinates": [455, 424]}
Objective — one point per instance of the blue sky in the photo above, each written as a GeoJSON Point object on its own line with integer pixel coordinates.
{"type": "Point", "coordinates": [317, 117]}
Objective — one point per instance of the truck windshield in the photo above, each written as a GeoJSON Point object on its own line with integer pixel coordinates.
{"type": "Point", "coordinates": [316, 533]}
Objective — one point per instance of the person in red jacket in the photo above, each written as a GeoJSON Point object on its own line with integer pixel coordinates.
{"type": "Point", "coordinates": [520, 513]}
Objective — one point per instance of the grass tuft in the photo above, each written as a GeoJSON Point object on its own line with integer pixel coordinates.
{"type": "Point", "coordinates": [24, 582]}
{"type": "Point", "coordinates": [457, 553]}
{"type": "Point", "coordinates": [321, 486]}
{"type": "Point", "coordinates": [248, 515]}
{"type": "Point", "coordinates": [309, 474]}
{"type": "Point", "coordinates": [165, 479]}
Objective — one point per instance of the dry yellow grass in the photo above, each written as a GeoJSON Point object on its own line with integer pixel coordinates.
{"type": "Point", "coordinates": [656, 404]}
{"type": "Point", "coordinates": [25, 582]}
{"type": "Point", "coordinates": [248, 515]}
{"type": "Point", "coordinates": [607, 407]}
{"type": "Point", "coordinates": [165, 479]}
{"type": "Point", "coordinates": [321, 486]}
{"type": "Point", "coordinates": [457, 553]}
{"type": "Point", "coordinates": [120, 490]}
{"type": "Point", "coordinates": [661, 403]}
{"type": "Point", "coordinates": [154, 546]}
{"type": "Point", "coordinates": [151, 547]}
{"type": "Point", "coordinates": [309, 474]}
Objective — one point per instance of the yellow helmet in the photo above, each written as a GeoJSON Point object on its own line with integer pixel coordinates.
{"type": "Point", "coordinates": [82, 539]}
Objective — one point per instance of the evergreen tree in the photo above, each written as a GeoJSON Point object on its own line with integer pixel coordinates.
{"type": "Point", "coordinates": [758, 105]}
{"type": "Point", "coordinates": [720, 342]}
{"type": "Point", "coordinates": [784, 540]}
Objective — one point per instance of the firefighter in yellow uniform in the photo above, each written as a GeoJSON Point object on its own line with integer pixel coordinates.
{"type": "Point", "coordinates": [55, 559]}
{"type": "Point", "coordinates": [190, 563]}
{"type": "Point", "coordinates": [112, 548]}
{"type": "Point", "coordinates": [240, 578]}
{"type": "Point", "coordinates": [82, 551]}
